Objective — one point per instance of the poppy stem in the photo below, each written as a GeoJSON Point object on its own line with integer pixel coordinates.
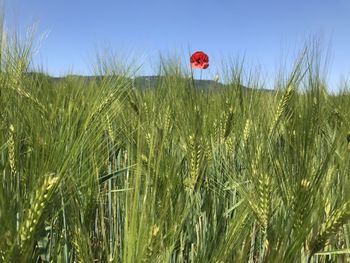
{"type": "Point", "coordinates": [192, 78]}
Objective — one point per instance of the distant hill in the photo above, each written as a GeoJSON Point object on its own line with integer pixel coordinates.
{"type": "Point", "coordinates": [144, 82]}
{"type": "Point", "coordinates": [154, 81]}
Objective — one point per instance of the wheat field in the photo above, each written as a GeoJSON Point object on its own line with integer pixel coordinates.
{"type": "Point", "coordinates": [98, 171]}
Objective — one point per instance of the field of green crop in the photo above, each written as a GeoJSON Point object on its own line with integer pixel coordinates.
{"type": "Point", "coordinates": [97, 171]}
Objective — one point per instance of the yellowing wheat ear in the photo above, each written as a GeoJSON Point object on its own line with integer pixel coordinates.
{"type": "Point", "coordinates": [108, 125]}
{"type": "Point", "coordinates": [97, 114]}
{"type": "Point", "coordinates": [15, 85]}
{"type": "Point", "coordinates": [246, 132]}
{"type": "Point", "coordinates": [216, 78]}
{"type": "Point", "coordinates": [208, 150]}
{"type": "Point", "coordinates": [340, 217]}
{"type": "Point", "coordinates": [194, 163]}
{"type": "Point", "coordinates": [38, 203]}
{"type": "Point", "coordinates": [11, 149]}
{"type": "Point", "coordinates": [283, 106]}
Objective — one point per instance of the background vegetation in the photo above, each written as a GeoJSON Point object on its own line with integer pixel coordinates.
{"type": "Point", "coordinates": [97, 171]}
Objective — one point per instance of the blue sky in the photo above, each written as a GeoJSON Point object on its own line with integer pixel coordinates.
{"type": "Point", "coordinates": [266, 33]}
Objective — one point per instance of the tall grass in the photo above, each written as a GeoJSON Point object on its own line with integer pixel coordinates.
{"type": "Point", "coordinates": [97, 171]}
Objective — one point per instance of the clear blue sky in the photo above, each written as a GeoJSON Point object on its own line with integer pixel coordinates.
{"type": "Point", "coordinates": [266, 32]}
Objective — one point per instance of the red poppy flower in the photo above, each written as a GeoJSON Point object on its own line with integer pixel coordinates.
{"type": "Point", "coordinates": [199, 60]}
